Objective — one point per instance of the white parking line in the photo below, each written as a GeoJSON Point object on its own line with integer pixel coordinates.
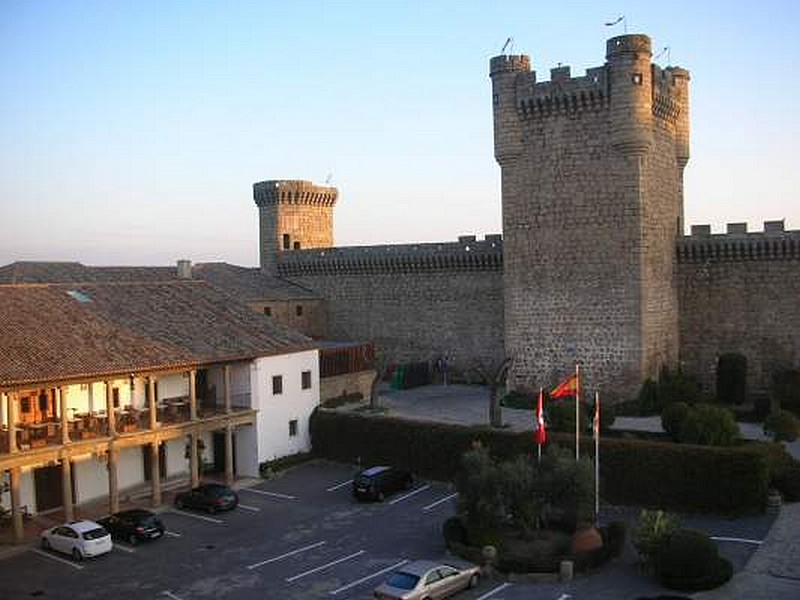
{"type": "Point", "coordinates": [734, 539]}
{"type": "Point", "coordinates": [128, 549]}
{"type": "Point", "coordinates": [172, 534]}
{"type": "Point", "coordinates": [272, 494]}
{"type": "Point", "coordinates": [251, 508]}
{"type": "Point", "coordinates": [325, 566]}
{"type": "Point", "coordinates": [339, 485]}
{"type": "Point", "coordinates": [491, 593]}
{"type": "Point", "coordinates": [282, 556]}
{"type": "Point", "coordinates": [194, 516]}
{"type": "Point", "coordinates": [367, 578]}
{"type": "Point", "coordinates": [441, 501]}
{"type": "Point", "coordinates": [56, 558]}
{"type": "Point", "coordinates": [409, 494]}
{"type": "Point", "coordinates": [170, 595]}
{"type": "Point", "coordinates": [564, 597]}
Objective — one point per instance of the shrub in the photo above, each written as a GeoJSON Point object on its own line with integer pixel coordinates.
{"type": "Point", "coordinates": [708, 426]}
{"type": "Point", "coordinates": [673, 417]}
{"type": "Point", "coordinates": [614, 535]}
{"type": "Point", "coordinates": [454, 531]}
{"type": "Point", "coordinates": [785, 389]}
{"type": "Point", "coordinates": [787, 481]}
{"type": "Point", "coordinates": [689, 561]}
{"type": "Point", "coordinates": [762, 405]}
{"type": "Point", "coordinates": [269, 467]}
{"type": "Point", "coordinates": [651, 532]}
{"type": "Point", "coordinates": [480, 496]}
{"type": "Point", "coordinates": [644, 473]}
{"type": "Point", "coordinates": [732, 378]}
{"type": "Point", "coordinates": [671, 387]}
{"type": "Point", "coordinates": [783, 426]}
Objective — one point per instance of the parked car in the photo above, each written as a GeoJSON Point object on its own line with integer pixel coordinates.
{"type": "Point", "coordinates": [80, 539]}
{"type": "Point", "coordinates": [208, 496]}
{"type": "Point", "coordinates": [424, 579]}
{"type": "Point", "coordinates": [134, 525]}
{"type": "Point", "coordinates": [376, 483]}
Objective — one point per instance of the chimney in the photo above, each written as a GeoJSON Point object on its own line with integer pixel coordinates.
{"type": "Point", "coordinates": [184, 269]}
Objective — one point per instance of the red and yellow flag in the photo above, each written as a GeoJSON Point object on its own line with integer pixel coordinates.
{"type": "Point", "coordinates": [567, 388]}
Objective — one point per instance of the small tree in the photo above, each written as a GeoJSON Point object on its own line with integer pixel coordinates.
{"type": "Point", "coordinates": [651, 533]}
{"type": "Point", "coordinates": [785, 390]}
{"type": "Point", "coordinates": [732, 378]}
{"type": "Point", "coordinates": [480, 497]}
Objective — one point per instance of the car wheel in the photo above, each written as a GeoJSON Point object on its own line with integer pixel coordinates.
{"type": "Point", "coordinates": [45, 544]}
{"type": "Point", "coordinates": [132, 540]}
{"type": "Point", "coordinates": [76, 554]}
{"type": "Point", "coordinates": [473, 581]}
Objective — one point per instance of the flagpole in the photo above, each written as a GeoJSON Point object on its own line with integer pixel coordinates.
{"type": "Point", "coordinates": [577, 411]}
{"type": "Point", "coordinates": [597, 457]}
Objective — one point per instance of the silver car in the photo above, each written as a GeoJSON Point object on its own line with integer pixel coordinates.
{"type": "Point", "coordinates": [427, 580]}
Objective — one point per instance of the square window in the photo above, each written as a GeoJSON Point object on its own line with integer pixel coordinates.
{"type": "Point", "coordinates": [297, 245]}
{"type": "Point", "coordinates": [277, 384]}
{"type": "Point", "coordinates": [286, 241]}
{"type": "Point", "coordinates": [305, 380]}
{"type": "Point", "coordinates": [268, 311]}
{"type": "Point", "coordinates": [299, 310]}
{"type": "Point", "coordinates": [293, 428]}
{"type": "Point", "coordinates": [637, 78]}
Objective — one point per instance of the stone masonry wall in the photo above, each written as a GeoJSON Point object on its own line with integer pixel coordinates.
{"type": "Point", "coordinates": [740, 293]}
{"type": "Point", "coordinates": [416, 302]}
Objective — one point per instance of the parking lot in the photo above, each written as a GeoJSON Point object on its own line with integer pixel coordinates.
{"type": "Point", "coordinates": [300, 535]}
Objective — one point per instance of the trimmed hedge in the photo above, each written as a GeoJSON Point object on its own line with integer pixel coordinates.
{"type": "Point", "coordinates": [636, 472]}
{"type": "Point", "coordinates": [689, 561]}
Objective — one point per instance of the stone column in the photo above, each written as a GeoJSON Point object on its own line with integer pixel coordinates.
{"type": "Point", "coordinates": [112, 416]}
{"type": "Point", "coordinates": [227, 386]}
{"type": "Point", "coordinates": [66, 487]}
{"type": "Point", "coordinates": [155, 474]}
{"type": "Point", "coordinates": [11, 398]}
{"type": "Point", "coordinates": [194, 461]}
{"type": "Point", "coordinates": [229, 454]}
{"type": "Point", "coordinates": [16, 507]}
{"type": "Point", "coordinates": [193, 395]}
{"type": "Point", "coordinates": [62, 397]}
{"type": "Point", "coordinates": [151, 403]}
{"type": "Point", "coordinates": [113, 482]}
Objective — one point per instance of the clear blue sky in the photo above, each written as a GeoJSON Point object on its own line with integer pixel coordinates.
{"type": "Point", "coordinates": [131, 132]}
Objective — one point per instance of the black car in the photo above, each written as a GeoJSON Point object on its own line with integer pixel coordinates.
{"type": "Point", "coordinates": [208, 496]}
{"type": "Point", "coordinates": [376, 483]}
{"type": "Point", "coordinates": [134, 525]}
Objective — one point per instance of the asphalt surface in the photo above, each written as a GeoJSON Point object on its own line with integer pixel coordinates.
{"type": "Point", "coordinates": [302, 536]}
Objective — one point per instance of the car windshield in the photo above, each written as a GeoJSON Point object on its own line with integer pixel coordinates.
{"type": "Point", "coordinates": [363, 480]}
{"type": "Point", "coordinates": [403, 581]}
{"type": "Point", "coordinates": [148, 521]}
{"type": "Point", "coordinates": [94, 534]}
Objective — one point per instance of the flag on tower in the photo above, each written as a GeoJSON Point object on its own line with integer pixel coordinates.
{"type": "Point", "coordinates": [539, 433]}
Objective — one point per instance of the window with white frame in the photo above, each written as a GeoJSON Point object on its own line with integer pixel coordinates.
{"type": "Point", "coordinates": [293, 428]}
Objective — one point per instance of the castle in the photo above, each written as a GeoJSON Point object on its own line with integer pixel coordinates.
{"type": "Point", "coordinates": [592, 267]}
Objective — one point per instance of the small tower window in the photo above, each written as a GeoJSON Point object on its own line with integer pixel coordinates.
{"type": "Point", "coordinates": [268, 311]}
{"type": "Point", "coordinates": [286, 241]}
{"type": "Point", "coordinates": [299, 310]}
{"type": "Point", "coordinates": [277, 384]}
{"type": "Point", "coordinates": [637, 78]}
{"type": "Point", "coordinates": [297, 245]}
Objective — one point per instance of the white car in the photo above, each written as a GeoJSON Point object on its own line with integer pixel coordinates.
{"type": "Point", "coordinates": [80, 539]}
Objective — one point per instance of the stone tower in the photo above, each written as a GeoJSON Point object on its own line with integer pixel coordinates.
{"type": "Point", "coordinates": [293, 215]}
{"type": "Point", "coordinates": [592, 188]}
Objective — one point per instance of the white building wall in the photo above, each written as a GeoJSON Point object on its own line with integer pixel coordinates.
{"type": "Point", "coordinates": [130, 468]}
{"type": "Point", "coordinates": [275, 411]}
{"type": "Point", "coordinates": [27, 491]}
{"type": "Point", "coordinates": [175, 457]}
{"type": "Point", "coordinates": [91, 478]}
{"type": "Point", "coordinates": [246, 441]}
{"type": "Point", "coordinates": [173, 386]}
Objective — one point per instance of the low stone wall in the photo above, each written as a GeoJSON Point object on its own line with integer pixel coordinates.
{"type": "Point", "coordinates": [342, 385]}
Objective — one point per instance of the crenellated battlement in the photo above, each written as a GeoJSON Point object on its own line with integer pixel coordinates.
{"type": "Point", "coordinates": [467, 254]}
{"type": "Point", "coordinates": [563, 94]}
{"type": "Point", "coordinates": [737, 244]}
{"type": "Point", "coordinates": [293, 191]}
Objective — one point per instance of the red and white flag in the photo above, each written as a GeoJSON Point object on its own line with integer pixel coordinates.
{"type": "Point", "coordinates": [539, 433]}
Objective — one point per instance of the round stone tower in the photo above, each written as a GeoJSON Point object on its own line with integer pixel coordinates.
{"type": "Point", "coordinates": [630, 81]}
{"type": "Point", "coordinates": [293, 215]}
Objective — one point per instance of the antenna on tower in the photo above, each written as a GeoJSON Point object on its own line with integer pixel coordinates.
{"type": "Point", "coordinates": [619, 19]}
{"type": "Point", "coordinates": [509, 44]}
{"type": "Point", "coordinates": [664, 50]}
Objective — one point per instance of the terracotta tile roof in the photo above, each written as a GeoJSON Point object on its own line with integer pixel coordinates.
{"type": "Point", "coordinates": [58, 332]}
{"type": "Point", "coordinates": [245, 283]}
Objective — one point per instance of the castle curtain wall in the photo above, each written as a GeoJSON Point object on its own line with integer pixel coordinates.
{"type": "Point", "coordinates": [740, 293]}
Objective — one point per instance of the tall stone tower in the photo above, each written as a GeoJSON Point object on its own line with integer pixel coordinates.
{"type": "Point", "coordinates": [592, 188]}
{"type": "Point", "coordinates": [293, 215]}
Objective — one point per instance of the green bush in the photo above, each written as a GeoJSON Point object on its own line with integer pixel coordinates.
{"type": "Point", "coordinates": [708, 425]}
{"type": "Point", "coordinates": [783, 426]}
{"type": "Point", "coordinates": [673, 417]}
{"type": "Point", "coordinates": [787, 481]}
{"type": "Point", "coordinates": [614, 535]}
{"type": "Point", "coordinates": [785, 389]}
{"type": "Point", "coordinates": [644, 473]}
{"type": "Point", "coordinates": [671, 387]}
{"type": "Point", "coordinates": [652, 531]}
{"type": "Point", "coordinates": [689, 561]}
{"type": "Point", "coordinates": [732, 378]}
